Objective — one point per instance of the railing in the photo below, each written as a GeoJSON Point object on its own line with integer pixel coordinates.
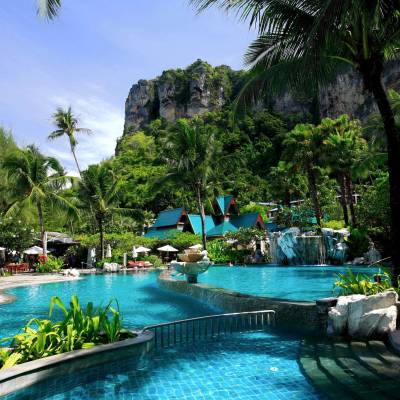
{"type": "Point", "coordinates": [214, 326]}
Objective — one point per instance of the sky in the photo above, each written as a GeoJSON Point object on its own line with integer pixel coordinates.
{"type": "Point", "coordinates": [91, 55]}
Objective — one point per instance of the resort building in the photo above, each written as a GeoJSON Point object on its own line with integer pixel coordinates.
{"type": "Point", "coordinates": [226, 218]}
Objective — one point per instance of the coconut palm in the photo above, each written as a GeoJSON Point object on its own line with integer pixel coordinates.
{"type": "Point", "coordinates": [302, 43]}
{"type": "Point", "coordinates": [48, 8]}
{"type": "Point", "coordinates": [37, 180]}
{"type": "Point", "coordinates": [344, 148]}
{"type": "Point", "coordinates": [99, 192]}
{"type": "Point", "coordinates": [67, 124]}
{"type": "Point", "coordinates": [191, 155]}
{"type": "Point", "coordinates": [302, 153]}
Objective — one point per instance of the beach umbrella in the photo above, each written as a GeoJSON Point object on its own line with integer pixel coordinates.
{"type": "Point", "coordinates": [125, 259]}
{"type": "Point", "coordinates": [44, 243]}
{"type": "Point", "coordinates": [2, 249]}
{"type": "Point", "coordinates": [35, 250]}
{"type": "Point", "coordinates": [108, 253]}
{"type": "Point", "coordinates": [142, 249]}
{"type": "Point", "coordinates": [134, 253]}
{"type": "Point", "coordinates": [196, 247]}
{"type": "Point", "coordinates": [168, 249]}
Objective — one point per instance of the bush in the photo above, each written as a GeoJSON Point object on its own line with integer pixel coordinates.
{"type": "Point", "coordinates": [222, 252]}
{"type": "Point", "coordinates": [53, 264]}
{"type": "Point", "coordinates": [155, 260]}
{"type": "Point", "coordinates": [334, 224]}
{"type": "Point", "coordinates": [80, 329]}
{"type": "Point", "coordinates": [358, 242]}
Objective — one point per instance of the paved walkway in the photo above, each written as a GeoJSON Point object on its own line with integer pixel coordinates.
{"type": "Point", "coordinates": [348, 370]}
{"type": "Point", "coordinates": [8, 282]}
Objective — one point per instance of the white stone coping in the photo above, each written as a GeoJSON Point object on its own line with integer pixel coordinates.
{"type": "Point", "coordinates": [23, 375]}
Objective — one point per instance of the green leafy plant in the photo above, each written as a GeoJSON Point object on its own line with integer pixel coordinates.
{"type": "Point", "coordinates": [155, 260]}
{"type": "Point", "coordinates": [358, 242]}
{"type": "Point", "coordinates": [351, 283]}
{"type": "Point", "coordinates": [81, 328]}
{"type": "Point", "coordinates": [53, 264]}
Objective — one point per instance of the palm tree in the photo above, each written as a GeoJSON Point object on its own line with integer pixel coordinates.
{"type": "Point", "coordinates": [345, 147]}
{"type": "Point", "coordinates": [67, 124]}
{"type": "Point", "coordinates": [99, 193]}
{"type": "Point", "coordinates": [191, 155]}
{"type": "Point", "coordinates": [48, 8]}
{"type": "Point", "coordinates": [301, 44]}
{"type": "Point", "coordinates": [302, 152]}
{"type": "Point", "coordinates": [37, 180]}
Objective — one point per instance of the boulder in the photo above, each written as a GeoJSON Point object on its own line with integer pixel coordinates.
{"type": "Point", "coordinates": [364, 317]}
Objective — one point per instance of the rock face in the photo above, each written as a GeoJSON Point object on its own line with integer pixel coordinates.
{"type": "Point", "coordinates": [364, 317]}
{"type": "Point", "coordinates": [201, 88]}
{"type": "Point", "coordinates": [179, 93]}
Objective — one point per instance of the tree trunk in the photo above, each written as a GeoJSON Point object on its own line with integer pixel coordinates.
{"type": "Point", "coordinates": [41, 224]}
{"type": "Point", "coordinates": [76, 161]}
{"type": "Point", "coordinates": [287, 198]}
{"type": "Point", "coordinates": [350, 199]}
{"type": "Point", "coordinates": [312, 182]}
{"type": "Point", "coordinates": [101, 230]}
{"type": "Point", "coordinates": [343, 198]}
{"type": "Point", "coordinates": [393, 144]}
{"type": "Point", "coordinates": [202, 213]}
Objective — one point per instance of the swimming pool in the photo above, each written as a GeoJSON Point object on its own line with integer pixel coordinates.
{"type": "Point", "coordinates": [246, 366]}
{"type": "Point", "coordinates": [141, 301]}
{"type": "Point", "coordinates": [301, 283]}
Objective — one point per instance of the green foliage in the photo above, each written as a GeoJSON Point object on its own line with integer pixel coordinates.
{"type": "Point", "coordinates": [358, 242]}
{"type": "Point", "coordinates": [155, 260]}
{"type": "Point", "coordinates": [16, 234]}
{"type": "Point", "coordinates": [53, 264]}
{"type": "Point", "coordinates": [247, 236]}
{"type": "Point", "coordinates": [333, 224]}
{"type": "Point", "coordinates": [301, 216]}
{"type": "Point", "coordinates": [253, 208]}
{"type": "Point", "coordinates": [351, 283]}
{"type": "Point", "coordinates": [222, 252]}
{"type": "Point", "coordinates": [79, 329]}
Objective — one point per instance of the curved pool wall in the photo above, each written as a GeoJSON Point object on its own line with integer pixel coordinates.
{"type": "Point", "coordinates": [58, 366]}
{"type": "Point", "coordinates": [300, 316]}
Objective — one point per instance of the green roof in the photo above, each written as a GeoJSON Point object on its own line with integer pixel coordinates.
{"type": "Point", "coordinates": [161, 233]}
{"type": "Point", "coordinates": [222, 229]}
{"type": "Point", "coordinates": [223, 203]}
{"type": "Point", "coordinates": [168, 218]}
{"type": "Point", "coordinates": [195, 222]}
{"type": "Point", "coordinates": [245, 220]}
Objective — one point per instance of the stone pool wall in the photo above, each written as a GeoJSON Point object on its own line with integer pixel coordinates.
{"type": "Point", "coordinates": [61, 365]}
{"type": "Point", "coordinates": [301, 316]}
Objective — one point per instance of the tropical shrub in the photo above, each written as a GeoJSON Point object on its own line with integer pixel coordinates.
{"type": "Point", "coordinates": [334, 224]}
{"type": "Point", "coordinates": [53, 264]}
{"type": "Point", "coordinates": [351, 283]}
{"type": "Point", "coordinates": [79, 329]}
{"type": "Point", "coordinates": [222, 252]}
{"type": "Point", "coordinates": [155, 260]}
{"type": "Point", "coordinates": [358, 242]}
{"type": "Point", "coordinates": [16, 234]}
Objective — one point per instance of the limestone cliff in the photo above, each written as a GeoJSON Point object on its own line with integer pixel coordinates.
{"type": "Point", "coordinates": [201, 88]}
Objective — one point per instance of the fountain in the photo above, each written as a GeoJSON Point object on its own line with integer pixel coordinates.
{"type": "Point", "coordinates": [193, 263]}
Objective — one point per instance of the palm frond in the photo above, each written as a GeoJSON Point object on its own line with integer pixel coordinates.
{"type": "Point", "coordinates": [48, 9]}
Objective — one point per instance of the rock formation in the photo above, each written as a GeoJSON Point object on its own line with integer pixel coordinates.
{"type": "Point", "coordinates": [200, 88]}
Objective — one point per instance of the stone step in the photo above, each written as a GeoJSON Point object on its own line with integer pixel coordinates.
{"type": "Point", "coordinates": [351, 370]}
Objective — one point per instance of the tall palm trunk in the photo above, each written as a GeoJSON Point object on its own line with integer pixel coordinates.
{"type": "Point", "coordinates": [343, 198]}
{"type": "Point", "coordinates": [101, 230]}
{"type": "Point", "coordinates": [41, 224]}
{"type": "Point", "coordinates": [202, 213]}
{"type": "Point", "coordinates": [350, 199]}
{"type": "Point", "coordinates": [76, 161]}
{"type": "Point", "coordinates": [312, 183]}
{"type": "Point", "coordinates": [374, 75]}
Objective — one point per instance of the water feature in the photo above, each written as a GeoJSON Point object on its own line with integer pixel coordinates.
{"type": "Point", "coordinates": [292, 247]}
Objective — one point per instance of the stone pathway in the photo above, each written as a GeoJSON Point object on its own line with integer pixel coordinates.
{"type": "Point", "coordinates": [352, 369]}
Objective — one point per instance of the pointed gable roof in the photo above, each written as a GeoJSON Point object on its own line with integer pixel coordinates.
{"type": "Point", "coordinates": [169, 217]}
{"type": "Point", "coordinates": [224, 202]}
{"type": "Point", "coordinates": [247, 220]}
{"type": "Point", "coordinates": [222, 229]}
{"type": "Point", "coordinates": [195, 222]}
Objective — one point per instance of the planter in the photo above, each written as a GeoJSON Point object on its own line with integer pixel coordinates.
{"type": "Point", "coordinates": [27, 374]}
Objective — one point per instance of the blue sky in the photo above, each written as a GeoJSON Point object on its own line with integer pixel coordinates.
{"type": "Point", "coordinates": [90, 57]}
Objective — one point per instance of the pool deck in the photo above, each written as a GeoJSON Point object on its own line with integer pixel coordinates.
{"type": "Point", "coordinates": [9, 282]}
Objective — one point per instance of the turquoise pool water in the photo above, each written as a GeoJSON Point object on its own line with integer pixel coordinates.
{"type": "Point", "coordinates": [302, 283]}
{"type": "Point", "coordinates": [251, 366]}
{"type": "Point", "coordinates": [141, 301]}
